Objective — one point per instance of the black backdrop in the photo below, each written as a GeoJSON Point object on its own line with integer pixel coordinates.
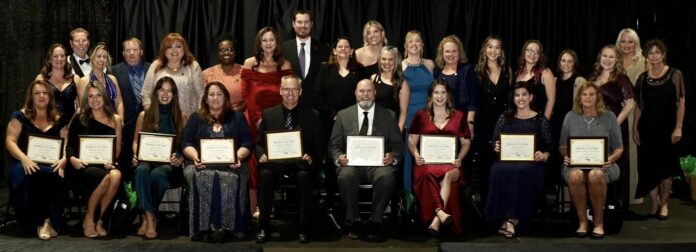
{"type": "Point", "coordinates": [29, 27]}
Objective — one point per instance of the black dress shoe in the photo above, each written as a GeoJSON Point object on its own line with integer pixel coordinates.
{"type": "Point", "coordinates": [262, 236]}
{"type": "Point", "coordinates": [355, 230]}
{"type": "Point", "coordinates": [373, 231]}
{"type": "Point", "coordinates": [303, 237]}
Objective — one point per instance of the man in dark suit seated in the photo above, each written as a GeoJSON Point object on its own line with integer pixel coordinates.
{"type": "Point", "coordinates": [370, 119]}
{"type": "Point", "coordinates": [288, 115]}
{"type": "Point", "coordinates": [130, 76]}
{"type": "Point", "coordinates": [305, 54]}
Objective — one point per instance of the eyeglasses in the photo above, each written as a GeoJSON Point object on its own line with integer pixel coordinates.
{"type": "Point", "coordinates": [131, 51]}
{"type": "Point", "coordinates": [531, 51]}
{"type": "Point", "coordinates": [288, 90]}
{"type": "Point", "coordinates": [226, 50]}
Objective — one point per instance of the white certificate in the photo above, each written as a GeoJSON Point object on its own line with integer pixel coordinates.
{"type": "Point", "coordinates": [155, 147]}
{"type": "Point", "coordinates": [218, 151]}
{"type": "Point", "coordinates": [438, 149]}
{"type": "Point", "coordinates": [284, 145]}
{"type": "Point", "coordinates": [365, 150]}
{"type": "Point", "coordinates": [587, 151]}
{"type": "Point", "coordinates": [516, 147]}
{"type": "Point", "coordinates": [44, 149]}
{"type": "Point", "coordinates": [97, 149]}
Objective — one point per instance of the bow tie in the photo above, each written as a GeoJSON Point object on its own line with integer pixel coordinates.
{"type": "Point", "coordinates": [83, 61]}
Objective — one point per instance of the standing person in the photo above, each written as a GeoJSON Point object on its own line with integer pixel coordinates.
{"type": "Point", "coordinates": [290, 114]}
{"type": "Point", "coordinates": [366, 118]}
{"type": "Point", "coordinates": [617, 93]}
{"type": "Point", "coordinates": [218, 198]}
{"type": "Point", "coordinates": [305, 54]}
{"type": "Point", "coordinates": [37, 188]}
{"type": "Point", "coordinates": [152, 180]}
{"type": "Point", "coordinates": [515, 187]}
{"type": "Point", "coordinates": [532, 67]}
{"type": "Point", "coordinates": [79, 60]}
{"type": "Point", "coordinates": [130, 76]}
{"type": "Point", "coordinates": [590, 183]}
{"type": "Point", "coordinates": [57, 72]}
{"type": "Point", "coordinates": [374, 38]}
{"type": "Point", "coordinates": [101, 60]}
{"type": "Point", "coordinates": [436, 185]}
{"type": "Point", "coordinates": [261, 75]}
{"type": "Point", "coordinates": [176, 61]}
{"type": "Point", "coordinates": [659, 118]}
{"type": "Point", "coordinates": [99, 182]}
{"type": "Point", "coordinates": [392, 90]}
{"type": "Point", "coordinates": [227, 72]}
{"type": "Point", "coordinates": [495, 79]}
{"type": "Point", "coordinates": [634, 63]}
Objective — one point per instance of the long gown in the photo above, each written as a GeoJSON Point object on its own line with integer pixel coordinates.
{"type": "Point", "coordinates": [419, 79]}
{"type": "Point", "coordinates": [657, 156]}
{"type": "Point", "coordinates": [614, 93]}
{"type": "Point", "coordinates": [493, 102]}
{"type": "Point", "coordinates": [564, 102]}
{"type": "Point", "coordinates": [259, 91]}
{"type": "Point", "coordinates": [427, 177]}
{"type": "Point", "coordinates": [515, 187]}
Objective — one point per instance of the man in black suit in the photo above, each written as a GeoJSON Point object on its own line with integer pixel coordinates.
{"type": "Point", "coordinates": [370, 119]}
{"type": "Point", "coordinates": [79, 60]}
{"type": "Point", "coordinates": [130, 76]}
{"type": "Point", "coordinates": [288, 115]}
{"type": "Point", "coordinates": [305, 54]}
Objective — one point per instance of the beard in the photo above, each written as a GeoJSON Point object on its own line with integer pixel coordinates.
{"type": "Point", "coordinates": [366, 104]}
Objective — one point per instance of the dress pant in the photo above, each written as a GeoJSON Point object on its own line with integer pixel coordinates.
{"type": "Point", "coordinates": [270, 174]}
{"type": "Point", "coordinates": [151, 182]}
{"type": "Point", "coordinates": [349, 180]}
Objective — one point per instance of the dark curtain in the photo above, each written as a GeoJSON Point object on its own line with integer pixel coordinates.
{"type": "Point", "coordinates": [30, 26]}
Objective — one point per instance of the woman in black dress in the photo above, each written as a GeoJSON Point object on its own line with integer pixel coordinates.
{"type": "Point", "coordinates": [57, 72]}
{"type": "Point", "coordinates": [657, 127]}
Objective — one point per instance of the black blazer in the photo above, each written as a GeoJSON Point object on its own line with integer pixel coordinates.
{"type": "Point", "coordinates": [75, 66]}
{"type": "Point", "coordinates": [318, 53]}
{"type": "Point", "coordinates": [131, 108]}
{"type": "Point", "coordinates": [383, 124]}
{"type": "Point", "coordinates": [308, 121]}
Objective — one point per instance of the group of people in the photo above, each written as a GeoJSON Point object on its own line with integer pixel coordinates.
{"type": "Point", "coordinates": [302, 84]}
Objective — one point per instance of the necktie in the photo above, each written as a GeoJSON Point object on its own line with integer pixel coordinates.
{"type": "Point", "coordinates": [365, 125]}
{"type": "Point", "coordinates": [302, 59]}
{"type": "Point", "coordinates": [137, 86]}
{"type": "Point", "coordinates": [288, 121]}
{"type": "Point", "coordinates": [83, 61]}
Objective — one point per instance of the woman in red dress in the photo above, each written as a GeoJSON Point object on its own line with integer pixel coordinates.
{"type": "Point", "coordinates": [435, 185]}
{"type": "Point", "coordinates": [261, 89]}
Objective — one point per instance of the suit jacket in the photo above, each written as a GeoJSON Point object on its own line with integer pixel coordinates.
{"type": "Point", "coordinates": [75, 66]}
{"type": "Point", "coordinates": [308, 121]}
{"type": "Point", "coordinates": [318, 54]}
{"type": "Point", "coordinates": [383, 124]}
{"type": "Point", "coordinates": [130, 102]}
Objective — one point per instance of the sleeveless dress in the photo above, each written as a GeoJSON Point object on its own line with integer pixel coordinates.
{"type": "Point", "coordinates": [65, 101]}
{"type": "Point", "coordinates": [109, 86]}
{"type": "Point", "coordinates": [386, 96]}
{"type": "Point", "coordinates": [86, 179]}
{"type": "Point", "coordinates": [419, 79]}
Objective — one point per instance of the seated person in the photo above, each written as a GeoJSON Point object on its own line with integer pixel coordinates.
{"type": "Point", "coordinates": [435, 185]}
{"type": "Point", "coordinates": [36, 188]}
{"type": "Point", "coordinates": [218, 195]}
{"type": "Point", "coordinates": [368, 119]}
{"type": "Point", "coordinates": [590, 117]}
{"type": "Point", "coordinates": [286, 116]}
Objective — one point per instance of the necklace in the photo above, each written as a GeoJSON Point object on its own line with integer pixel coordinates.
{"type": "Point", "coordinates": [658, 73]}
{"type": "Point", "coordinates": [589, 123]}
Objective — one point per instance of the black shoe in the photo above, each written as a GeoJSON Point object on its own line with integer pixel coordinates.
{"type": "Point", "coordinates": [355, 230]}
{"type": "Point", "coordinates": [373, 231]}
{"type": "Point", "coordinates": [597, 235]}
{"type": "Point", "coordinates": [262, 236]}
{"type": "Point", "coordinates": [303, 237]}
{"type": "Point", "coordinates": [217, 236]}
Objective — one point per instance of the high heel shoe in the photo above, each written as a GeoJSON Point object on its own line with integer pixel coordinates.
{"type": "Point", "coordinates": [43, 234]}
{"type": "Point", "coordinates": [89, 231]}
{"type": "Point", "coordinates": [101, 232]}
{"type": "Point", "coordinates": [446, 220]}
{"type": "Point", "coordinates": [151, 234]}
{"type": "Point", "coordinates": [662, 215]}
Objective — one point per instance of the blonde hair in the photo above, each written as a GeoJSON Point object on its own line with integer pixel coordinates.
{"type": "Point", "coordinates": [440, 60]}
{"type": "Point", "coordinates": [409, 36]}
{"type": "Point", "coordinates": [93, 55]}
{"type": "Point", "coordinates": [600, 107]}
{"type": "Point", "coordinates": [633, 35]}
{"type": "Point", "coordinates": [618, 67]}
{"type": "Point", "coordinates": [376, 25]}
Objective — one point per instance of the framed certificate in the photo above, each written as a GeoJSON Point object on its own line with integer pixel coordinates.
{"type": "Point", "coordinates": [590, 152]}
{"type": "Point", "coordinates": [516, 147]}
{"type": "Point", "coordinates": [438, 149]}
{"type": "Point", "coordinates": [97, 149]}
{"type": "Point", "coordinates": [155, 147]}
{"type": "Point", "coordinates": [365, 150]}
{"type": "Point", "coordinates": [44, 149]}
{"type": "Point", "coordinates": [220, 151]}
{"type": "Point", "coordinates": [284, 145]}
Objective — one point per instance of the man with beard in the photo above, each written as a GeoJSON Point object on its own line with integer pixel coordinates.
{"type": "Point", "coordinates": [368, 119]}
{"type": "Point", "coordinates": [305, 54]}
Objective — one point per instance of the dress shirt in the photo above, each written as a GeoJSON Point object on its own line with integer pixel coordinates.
{"type": "Point", "coordinates": [370, 116]}
{"type": "Point", "coordinates": [307, 48]}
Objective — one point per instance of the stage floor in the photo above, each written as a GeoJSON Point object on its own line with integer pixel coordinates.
{"type": "Point", "coordinates": [643, 233]}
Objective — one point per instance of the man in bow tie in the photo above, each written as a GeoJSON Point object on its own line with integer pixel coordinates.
{"type": "Point", "coordinates": [79, 60]}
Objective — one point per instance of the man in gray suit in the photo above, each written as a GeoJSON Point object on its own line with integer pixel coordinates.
{"type": "Point", "coordinates": [366, 118]}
